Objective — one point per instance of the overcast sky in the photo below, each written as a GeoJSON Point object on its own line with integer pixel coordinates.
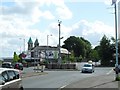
{"type": "Point", "coordinates": [22, 19]}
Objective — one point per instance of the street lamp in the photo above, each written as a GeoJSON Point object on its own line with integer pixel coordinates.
{"type": "Point", "coordinates": [59, 56]}
{"type": "Point", "coordinates": [20, 45]}
{"type": "Point", "coordinates": [23, 45]}
{"type": "Point", "coordinates": [48, 38]}
{"type": "Point", "coordinates": [116, 36]}
{"type": "Point", "coordinates": [47, 45]}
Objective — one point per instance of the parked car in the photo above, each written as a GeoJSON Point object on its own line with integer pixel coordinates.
{"type": "Point", "coordinates": [7, 65]}
{"type": "Point", "coordinates": [10, 79]}
{"type": "Point", "coordinates": [18, 66]}
{"type": "Point", "coordinates": [88, 68]}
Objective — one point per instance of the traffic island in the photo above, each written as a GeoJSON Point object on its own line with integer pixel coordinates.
{"type": "Point", "coordinates": [117, 78]}
{"type": "Point", "coordinates": [30, 74]}
{"type": "Point", "coordinates": [117, 72]}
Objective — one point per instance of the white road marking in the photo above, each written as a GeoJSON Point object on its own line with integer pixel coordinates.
{"type": "Point", "coordinates": [110, 72]}
{"type": "Point", "coordinates": [63, 86]}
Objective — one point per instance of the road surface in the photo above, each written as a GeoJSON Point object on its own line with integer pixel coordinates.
{"type": "Point", "coordinates": [58, 79]}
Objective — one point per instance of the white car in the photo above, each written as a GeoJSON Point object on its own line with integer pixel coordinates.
{"type": "Point", "coordinates": [10, 79]}
{"type": "Point", "coordinates": [88, 68]}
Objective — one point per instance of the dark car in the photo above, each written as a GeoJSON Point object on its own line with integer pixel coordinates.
{"type": "Point", "coordinates": [7, 65]}
{"type": "Point", "coordinates": [18, 66]}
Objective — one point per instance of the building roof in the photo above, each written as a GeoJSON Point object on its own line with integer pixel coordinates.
{"type": "Point", "coordinates": [30, 40]}
{"type": "Point", "coordinates": [36, 42]}
{"type": "Point", "coordinates": [64, 51]}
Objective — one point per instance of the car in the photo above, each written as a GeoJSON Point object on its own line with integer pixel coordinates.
{"type": "Point", "coordinates": [7, 65]}
{"type": "Point", "coordinates": [10, 79]}
{"type": "Point", "coordinates": [88, 68]}
{"type": "Point", "coordinates": [18, 66]}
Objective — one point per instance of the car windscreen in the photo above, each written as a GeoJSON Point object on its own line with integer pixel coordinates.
{"type": "Point", "coordinates": [87, 65]}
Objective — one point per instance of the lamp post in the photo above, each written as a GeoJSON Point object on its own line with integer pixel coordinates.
{"type": "Point", "coordinates": [116, 36]}
{"type": "Point", "coordinates": [47, 44]}
{"type": "Point", "coordinates": [23, 45]}
{"type": "Point", "coordinates": [20, 45]}
{"type": "Point", "coordinates": [48, 39]}
{"type": "Point", "coordinates": [59, 55]}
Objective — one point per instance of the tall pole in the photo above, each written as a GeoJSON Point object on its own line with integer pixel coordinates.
{"type": "Point", "coordinates": [47, 40]}
{"type": "Point", "coordinates": [116, 37]}
{"type": "Point", "coordinates": [47, 44]}
{"type": "Point", "coordinates": [20, 45]}
{"type": "Point", "coordinates": [59, 55]}
{"type": "Point", "coordinates": [24, 45]}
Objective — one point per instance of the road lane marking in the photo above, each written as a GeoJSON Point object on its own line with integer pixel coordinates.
{"type": "Point", "coordinates": [63, 87]}
{"type": "Point", "coordinates": [110, 72]}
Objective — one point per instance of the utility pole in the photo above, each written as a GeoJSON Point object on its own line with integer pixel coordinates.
{"type": "Point", "coordinates": [116, 36]}
{"type": "Point", "coordinates": [59, 55]}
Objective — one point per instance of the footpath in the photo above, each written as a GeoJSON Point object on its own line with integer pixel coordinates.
{"type": "Point", "coordinates": [102, 82]}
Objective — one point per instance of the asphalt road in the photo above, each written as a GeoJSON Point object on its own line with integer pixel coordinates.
{"type": "Point", "coordinates": [58, 79]}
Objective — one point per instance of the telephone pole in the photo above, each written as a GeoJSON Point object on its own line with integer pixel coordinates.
{"type": "Point", "coordinates": [116, 35]}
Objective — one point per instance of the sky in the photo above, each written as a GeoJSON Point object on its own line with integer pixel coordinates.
{"type": "Point", "coordinates": [22, 19]}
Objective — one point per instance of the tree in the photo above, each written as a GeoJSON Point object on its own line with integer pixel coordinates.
{"type": "Point", "coordinates": [79, 46]}
{"type": "Point", "coordinates": [105, 51]}
{"type": "Point", "coordinates": [74, 44]}
{"type": "Point", "coordinates": [94, 55]}
{"type": "Point", "coordinates": [21, 56]}
{"type": "Point", "coordinates": [87, 46]}
{"type": "Point", "coordinates": [72, 58]}
{"type": "Point", "coordinates": [15, 58]}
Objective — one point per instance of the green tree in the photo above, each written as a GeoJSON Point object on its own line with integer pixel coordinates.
{"type": "Point", "coordinates": [87, 47]}
{"type": "Point", "coordinates": [15, 58]}
{"type": "Point", "coordinates": [74, 44]}
{"type": "Point", "coordinates": [105, 51]}
{"type": "Point", "coordinates": [94, 55]}
{"type": "Point", "coordinates": [71, 57]}
{"type": "Point", "coordinates": [79, 46]}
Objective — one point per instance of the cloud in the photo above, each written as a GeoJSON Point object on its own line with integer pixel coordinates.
{"type": "Point", "coordinates": [48, 15]}
{"type": "Point", "coordinates": [18, 21]}
{"type": "Point", "coordinates": [64, 13]}
{"type": "Point", "coordinates": [92, 31]}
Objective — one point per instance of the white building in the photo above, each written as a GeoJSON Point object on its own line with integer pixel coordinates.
{"type": "Point", "coordinates": [49, 53]}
